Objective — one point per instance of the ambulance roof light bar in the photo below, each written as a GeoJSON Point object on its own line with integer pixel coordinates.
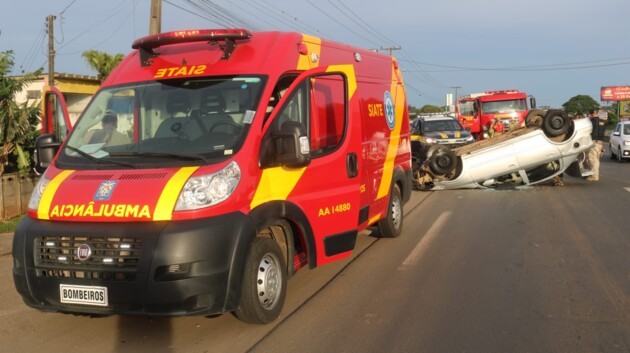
{"type": "Point", "coordinates": [228, 36]}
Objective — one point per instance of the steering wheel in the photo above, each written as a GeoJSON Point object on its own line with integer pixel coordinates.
{"type": "Point", "coordinates": [228, 123]}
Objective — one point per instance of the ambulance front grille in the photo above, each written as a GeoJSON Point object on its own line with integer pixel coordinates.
{"type": "Point", "coordinates": [110, 258]}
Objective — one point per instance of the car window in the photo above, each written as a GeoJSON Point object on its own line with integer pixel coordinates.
{"type": "Point", "coordinates": [626, 129]}
{"type": "Point", "coordinates": [441, 125]}
{"type": "Point", "coordinates": [543, 171]}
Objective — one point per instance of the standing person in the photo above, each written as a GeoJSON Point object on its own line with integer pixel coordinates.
{"type": "Point", "coordinates": [108, 134]}
{"type": "Point", "coordinates": [595, 152]}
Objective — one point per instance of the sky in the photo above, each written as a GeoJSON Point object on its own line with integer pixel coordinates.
{"type": "Point", "coordinates": [550, 49]}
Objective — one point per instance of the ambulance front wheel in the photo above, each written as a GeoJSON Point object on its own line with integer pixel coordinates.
{"type": "Point", "coordinates": [264, 286]}
{"type": "Point", "coordinates": [391, 226]}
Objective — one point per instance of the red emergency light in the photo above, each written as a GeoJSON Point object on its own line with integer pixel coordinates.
{"type": "Point", "coordinates": [229, 36]}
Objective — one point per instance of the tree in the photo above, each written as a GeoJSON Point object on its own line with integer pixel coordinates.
{"type": "Point", "coordinates": [580, 104]}
{"type": "Point", "coordinates": [431, 109]}
{"type": "Point", "coordinates": [17, 121]}
{"type": "Point", "coordinates": [101, 62]}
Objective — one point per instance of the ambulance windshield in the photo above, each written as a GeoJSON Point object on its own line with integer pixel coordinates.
{"type": "Point", "coordinates": [165, 122]}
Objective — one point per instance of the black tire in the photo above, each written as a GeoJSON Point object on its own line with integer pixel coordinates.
{"type": "Point", "coordinates": [619, 155]}
{"type": "Point", "coordinates": [264, 286]}
{"type": "Point", "coordinates": [612, 154]}
{"type": "Point", "coordinates": [441, 160]}
{"type": "Point", "coordinates": [535, 118]}
{"type": "Point", "coordinates": [555, 123]}
{"type": "Point", "coordinates": [391, 226]}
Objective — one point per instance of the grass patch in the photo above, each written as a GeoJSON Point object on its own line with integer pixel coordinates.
{"type": "Point", "coordinates": [8, 225]}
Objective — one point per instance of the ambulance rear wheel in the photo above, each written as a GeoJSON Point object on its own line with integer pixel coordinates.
{"type": "Point", "coordinates": [264, 286]}
{"type": "Point", "coordinates": [391, 225]}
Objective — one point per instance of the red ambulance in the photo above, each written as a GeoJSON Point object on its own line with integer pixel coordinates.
{"type": "Point", "coordinates": [210, 166]}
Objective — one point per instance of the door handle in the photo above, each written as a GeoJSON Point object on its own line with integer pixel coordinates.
{"type": "Point", "coordinates": [352, 165]}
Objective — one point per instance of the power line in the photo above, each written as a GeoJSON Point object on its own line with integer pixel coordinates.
{"type": "Point", "coordinates": [366, 27]}
{"type": "Point", "coordinates": [117, 9]}
{"type": "Point", "coordinates": [547, 67]}
{"type": "Point", "coordinates": [309, 27]}
{"type": "Point", "coordinates": [190, 12]}
{"type": "Point", "coordinates": [67, 7]}
{"type": "Point", "coordinates": [341, 24]}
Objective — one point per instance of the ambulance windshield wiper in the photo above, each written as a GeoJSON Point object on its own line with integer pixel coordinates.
{"type": "Point", "coordinates": [98, 160]}
{"type": "Point", "coordinates": [191, 157]}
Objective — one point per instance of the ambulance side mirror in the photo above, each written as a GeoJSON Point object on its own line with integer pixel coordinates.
{"type": "Point", "coordinates": [46, 147]}
{"type": "Point", "coordinates": [288, 147]}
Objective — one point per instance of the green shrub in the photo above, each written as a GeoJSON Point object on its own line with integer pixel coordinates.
{"type": "Point", "coordinates": [8, 225]}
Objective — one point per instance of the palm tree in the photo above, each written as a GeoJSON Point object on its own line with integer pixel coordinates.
{"type": "Point", "coordinates": [17, 121]}
{"type": "Point", "coordinates": [103, 63]}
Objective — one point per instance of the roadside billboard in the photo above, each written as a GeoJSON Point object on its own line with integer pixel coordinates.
{"type": "Point", "coordinates": [615, 93]}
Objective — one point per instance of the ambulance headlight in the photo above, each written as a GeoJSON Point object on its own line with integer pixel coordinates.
{"type": "Point", "coordinates": [207, 190]}
{"type": "Point", "coordinates": [36, 196]}
{"type": "Point", "coordinates": [431, 140]}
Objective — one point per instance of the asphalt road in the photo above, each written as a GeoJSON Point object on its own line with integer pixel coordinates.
{"type": "Point", "coordinates": [538, 269]}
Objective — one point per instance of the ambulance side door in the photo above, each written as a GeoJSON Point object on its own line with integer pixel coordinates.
{"type": "Point", "coordinates": [55, 117]}
{"type": "Point", "coordinates": [328, 188]}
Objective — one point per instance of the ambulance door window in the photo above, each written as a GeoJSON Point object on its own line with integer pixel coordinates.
{"type": "Point", "coordinates": [279, 91]}
{"type": "Point", "coordinates": [294, 108]}
{"type": "Point", "coordinates": [319, 104]}
{"type": "Point", "coordinates": [60, 126]}
{"type": "Point", "coordinates": [328, 113]}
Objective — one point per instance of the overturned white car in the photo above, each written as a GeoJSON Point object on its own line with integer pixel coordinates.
{"type": "Point", "coordinates": [548, 144]}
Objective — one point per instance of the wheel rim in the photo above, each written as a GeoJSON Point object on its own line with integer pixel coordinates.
{"type": "Point", "coordinates": [396, 213]}
{"type": "Point", "coordinates": [556, 122]}
{"type": "Point", "coordinates": [268, 281]}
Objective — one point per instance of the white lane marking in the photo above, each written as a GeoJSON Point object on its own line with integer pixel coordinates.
{"type": "Point", "coordinates": [627, 189]}
{"type": "Point", "coordinates": [424, 243]}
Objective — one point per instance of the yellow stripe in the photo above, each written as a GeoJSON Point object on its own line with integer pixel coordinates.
{"type": "Point", "coordinates": [398, 95]}
{"type": "Point", "coordinates": [374, 219]}
{"type": "Point", "coordinates": [168, 198]}
{"type": "Point", "coordinates": [313, 45]}
{"type": "Point", "coordinates": [349, 71]}
{"type": "Point", "coordinates": [276, 184]}
{"type": "Point", "coordinates": [443, 135]}
{"type": "Point", "coordinates": [49, 193]}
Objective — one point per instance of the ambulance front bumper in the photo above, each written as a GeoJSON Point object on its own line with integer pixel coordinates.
{"type": "Point", "coordinates": [163, 268]}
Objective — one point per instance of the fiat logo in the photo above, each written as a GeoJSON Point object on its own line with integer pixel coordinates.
{"type": "Point", "coordinates": [84, 251]}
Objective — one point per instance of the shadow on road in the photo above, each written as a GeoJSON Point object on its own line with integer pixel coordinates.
{"type": "Point", "coordinates": [144, 334]}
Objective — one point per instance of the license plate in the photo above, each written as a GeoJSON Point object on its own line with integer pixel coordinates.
{"type": "Point", "coordinates": [86, 295]}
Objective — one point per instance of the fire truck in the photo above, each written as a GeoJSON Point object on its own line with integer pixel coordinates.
{"type": "Point", "coordinates": [210, 167]}
{"type": "Point", "coordinates": [493, 112]}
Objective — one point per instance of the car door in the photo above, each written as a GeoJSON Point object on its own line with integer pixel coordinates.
{"type": "Point", "coordinates": [55, 117]}
{"type": "Point", "coordinates": [615, 139]}
{"type": "Point", "coordinates": [327, 189]}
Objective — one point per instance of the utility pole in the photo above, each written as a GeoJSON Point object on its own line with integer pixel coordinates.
{"type": "Point", "coordinates": [51, 51]}
{"type": "Point", "coordinates": [155, 20]}
{"type": "Point", "coordinates": [455, 88]}
{"type": "Point", "coordinates": [391, 49]}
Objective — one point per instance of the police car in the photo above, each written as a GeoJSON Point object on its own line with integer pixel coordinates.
{"type": "Point", "coordinates": [441, 129]}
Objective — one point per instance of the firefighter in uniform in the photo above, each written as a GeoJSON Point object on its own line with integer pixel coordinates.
{"type": "Point", "coordinates": [496, 128]}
